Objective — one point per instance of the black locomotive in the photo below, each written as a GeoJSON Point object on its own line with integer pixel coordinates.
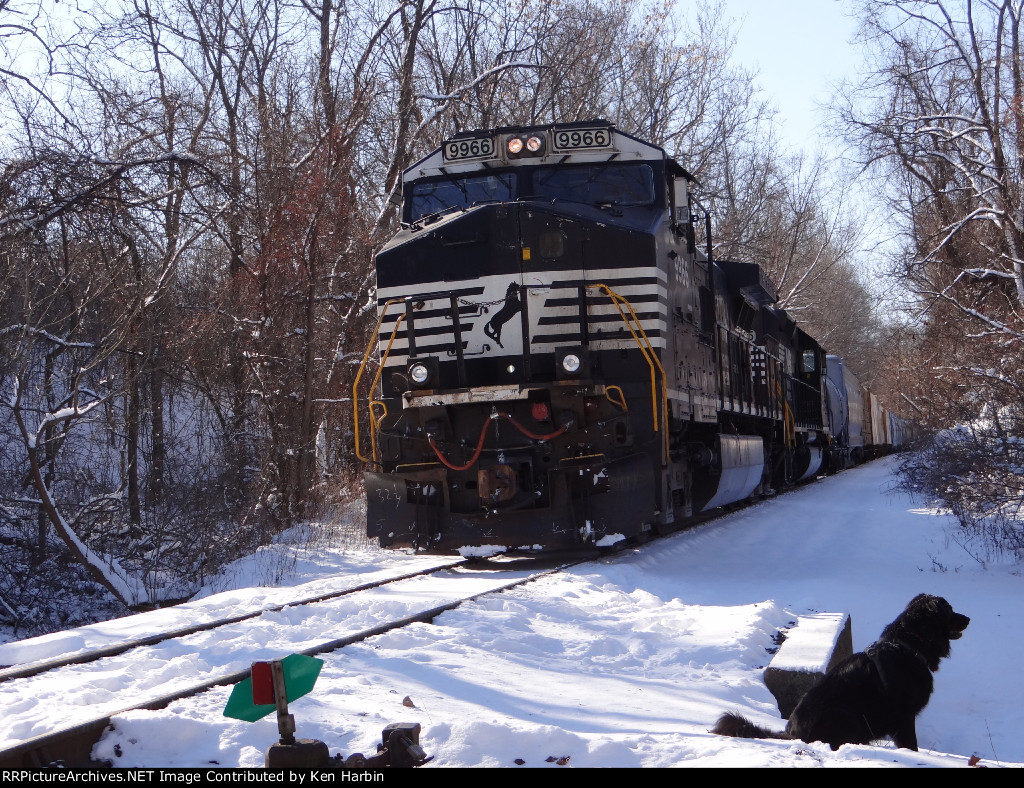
{"type": "Point", "coordinates": [563, 365]}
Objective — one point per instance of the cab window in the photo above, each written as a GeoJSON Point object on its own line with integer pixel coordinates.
{"type": "Point", "coordinates": [437, 195]}
{"type": "Point", "coordinates": [598, 184]}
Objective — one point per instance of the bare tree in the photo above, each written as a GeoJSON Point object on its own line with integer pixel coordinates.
{"type": "Point", "coordinates": [189, 243]}
{"type": "Point", "coordinates": [940, 121]}
{"type": "Point", "coordinates": [64, 329]}
{"type": "Point", "coordinates": [947, 124]}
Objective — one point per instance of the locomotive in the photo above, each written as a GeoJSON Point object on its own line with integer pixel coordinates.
{"type": "Point", "coordinates": [561, 363]}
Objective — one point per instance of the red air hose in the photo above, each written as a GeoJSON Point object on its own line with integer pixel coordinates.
{"type": "Point", "coordinates": [483, 435]}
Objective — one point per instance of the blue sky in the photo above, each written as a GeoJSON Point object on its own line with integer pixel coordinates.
{"type": "Point", "coordinates": [799, 47]}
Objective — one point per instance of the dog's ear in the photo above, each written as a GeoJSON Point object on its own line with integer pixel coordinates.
{"type": "Point", "coordinates": [941, 606]}
{"type": "Point", "coordinates": [935, 607]}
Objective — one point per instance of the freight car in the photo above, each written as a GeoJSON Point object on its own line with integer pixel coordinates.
{"type": "Point", "coordinates": [560, 362]}
{"type": "Point", "coordinates": [860, 427]}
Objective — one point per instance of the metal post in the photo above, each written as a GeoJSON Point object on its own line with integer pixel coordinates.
{"type": "Point", "coordinates": [410, 326]}
{"type": "Point", "coordinates": [285, 721]}
{"type": "Point", "coordinates": [460, 358]}
{"type": "Point", "coordinates": [524, 322]}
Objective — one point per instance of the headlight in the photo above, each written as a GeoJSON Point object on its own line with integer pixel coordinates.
{"type": "Point", "coordinates": [419, 374]}
{"type": "Point", "coordinates": [518, 146]}
{"type": "Point", "coordinates": [572, 363]}
{"type": "Point", "coordinates": [422, 373]}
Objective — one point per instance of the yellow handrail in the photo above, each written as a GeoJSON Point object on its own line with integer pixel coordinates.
{"type": "Point", "coordinates": [788, 421]}
{"type": "Point", "coordinates": [374, 341]}
{"type": "Point", "coordinates": [649, 355]}
{"type": "Point", "coordinates": [621, 401]}
{"type": "Point", "coordinates": [375, 420]}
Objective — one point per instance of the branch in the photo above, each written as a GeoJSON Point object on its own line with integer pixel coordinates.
{"type": "Point", "coordinates": [24, 221]}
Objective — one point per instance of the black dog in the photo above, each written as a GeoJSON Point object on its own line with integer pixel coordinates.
{"type": "Point", "coordinates": [875, 693]}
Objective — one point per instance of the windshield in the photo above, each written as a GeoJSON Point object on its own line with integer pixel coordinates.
{"type": "Point", "coordinates": [598, 184]}
{"type": "Point", "coordinates": [592, 184]}
{"type": "Point", "coordinates": [429, 197]}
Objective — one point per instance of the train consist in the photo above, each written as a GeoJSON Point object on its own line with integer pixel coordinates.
{"type": "Point", "coordinates": [561, 364]}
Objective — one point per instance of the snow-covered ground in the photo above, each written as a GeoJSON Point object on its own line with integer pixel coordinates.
{"type": "Point", "coordinates": [628, 662]}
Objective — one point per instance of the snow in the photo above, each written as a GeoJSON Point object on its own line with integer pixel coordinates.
{"type": "Point", "coordinates": [481, 551]}
{"type": "Point", "coordinates": [810, 644]}
{"type": "Point", "coordinates": [210, 605]}
{"type": "Point", "coordinates": [626, 662]}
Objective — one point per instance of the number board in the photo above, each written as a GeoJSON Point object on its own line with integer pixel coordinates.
{"type": "Point", "coordinates": [576, 139]}
{"type": "Point", "coordinates": [469, 148]}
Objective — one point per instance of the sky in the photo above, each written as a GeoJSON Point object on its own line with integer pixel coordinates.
{"type": "Point", "coordinates": [625, 662]}
{"type": "Point", "coordinates": [800, 48]}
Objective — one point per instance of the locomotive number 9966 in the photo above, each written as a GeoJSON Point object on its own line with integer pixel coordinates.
{"type": "Point", "coordinates": [573, 139]}
{"type": "Point", "coordinates": [473, 148]}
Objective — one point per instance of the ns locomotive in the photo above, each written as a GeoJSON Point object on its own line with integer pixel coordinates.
{"type": "Point", "coordinates": [562, 365]}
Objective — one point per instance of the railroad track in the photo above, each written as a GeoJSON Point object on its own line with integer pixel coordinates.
{"type": "Point", "coordinates": [35, 667]}
{"type": "Point", "coordinates": [70, 742]}
{"type": "Point", "coordinates": [62, 725]}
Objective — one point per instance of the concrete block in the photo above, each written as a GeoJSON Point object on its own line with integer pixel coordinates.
{"type": "Point", "coordinates": [817, 643]}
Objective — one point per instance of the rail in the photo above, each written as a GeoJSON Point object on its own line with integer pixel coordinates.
{"type": "Point", "coordinates": [34, 668]}
{"type": "Point", "coordinates": [70, 743]}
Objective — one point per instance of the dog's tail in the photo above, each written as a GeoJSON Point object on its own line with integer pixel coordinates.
{"type": "Point", "coordinates": [730, 724]}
